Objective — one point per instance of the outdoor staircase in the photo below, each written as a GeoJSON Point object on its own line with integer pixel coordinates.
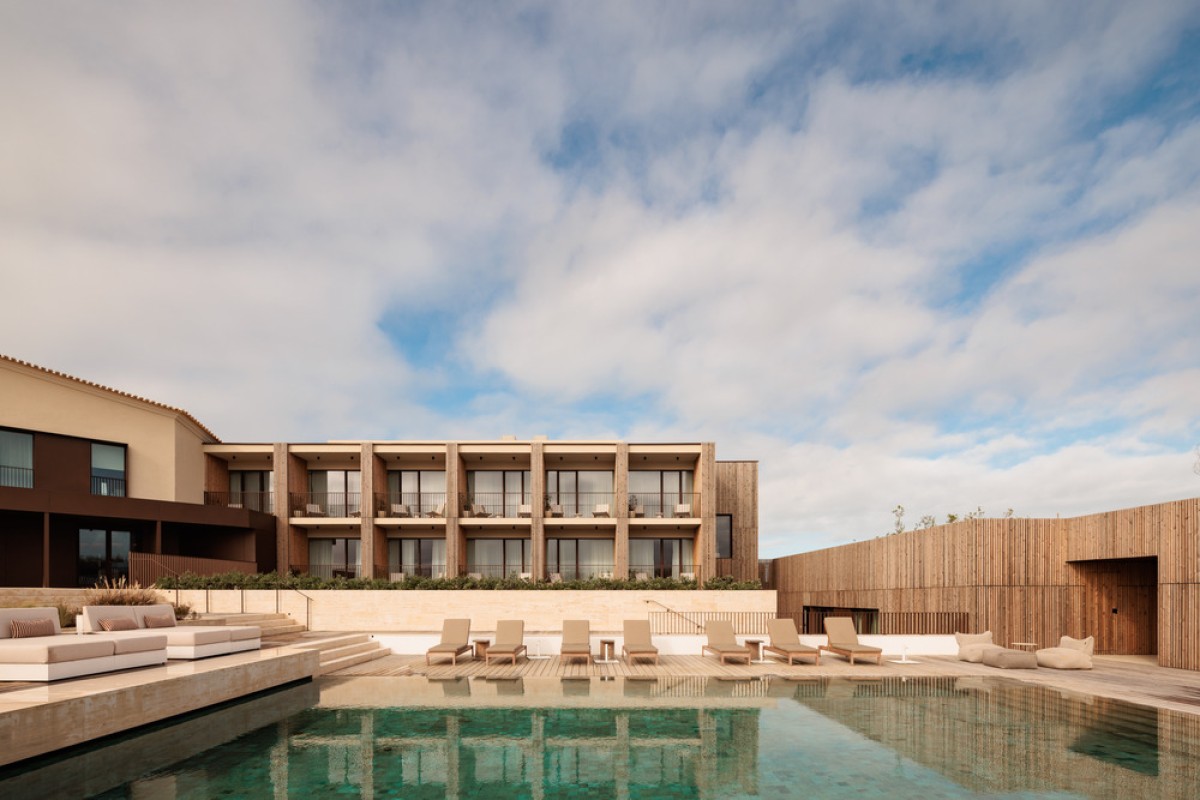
{"type": "Point", "coordinates": [337, 650]}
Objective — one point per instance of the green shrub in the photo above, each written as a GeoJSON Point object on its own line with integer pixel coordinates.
{"type": "Point", "coordinates": [277, 580]}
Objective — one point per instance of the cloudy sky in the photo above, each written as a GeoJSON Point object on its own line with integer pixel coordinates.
{"type": "Point", "coordinates": [943, 255]}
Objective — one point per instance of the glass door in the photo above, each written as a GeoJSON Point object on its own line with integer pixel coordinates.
{"type": "Point", "coordinates": [103, 555]}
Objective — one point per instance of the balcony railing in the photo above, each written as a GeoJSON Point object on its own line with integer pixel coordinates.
{"type": "Point", "coordinates": [108, 487]}
{"type": "Point", "coordinates": [16, 477]}
{"type": "Point", "coordinates": [507, 505]}
{"type": "Point", "coordinates": [329, 571]}
{"type": "Point", "coordinates": [410, 505]}
{"type": "Point", "coordinates": [400, 572]}
{"type": "Point", "coordinates": [326, 504]}
{"type": "Point", "coordinates": [644, 572]}
{"type": "Point", "coordinates": [498, 571]}
{"type": "Point", "coordinates": [579, 505]}
{"type": "Point", "coordinates": [662, 505]}
{"type": "Point", "coordinates": [578, 572]}
{"type": "Point", "coordinates": [255, 501]}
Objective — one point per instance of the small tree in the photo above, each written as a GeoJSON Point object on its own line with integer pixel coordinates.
{"type": "Point", "coordinates": [898, 513]}
{"type": "Point", "coordinates": [976, 514]}
{"type": "Point", "coordinates": [927, 522]}
{"type": "Point", "coordinates": [950, 518]}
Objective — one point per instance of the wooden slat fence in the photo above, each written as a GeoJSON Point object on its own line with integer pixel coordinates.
{"type": "Point", "coordinates": [146, 568]}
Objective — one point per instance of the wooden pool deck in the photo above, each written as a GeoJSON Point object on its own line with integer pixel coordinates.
{"type": "Point", "coordinates": [1135, 679]}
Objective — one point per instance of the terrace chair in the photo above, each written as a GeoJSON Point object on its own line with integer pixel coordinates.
{"type": "Point", "coordinates": [440, 511]}
{"type": "Point", "coordinates": [637, 641]}
{"type": "Point", "coordinates": [601, 510]}
{"type": "Point", "coordinates": [641, 576]}
{"type": "Point", "coordinates": [479, 511]}
{"type": "Point", "coordinates": [637, 511]}
{"type": "Point", "coordinates": [313, 510]}
{"type": "Point", "coordinates": [785, 642]}
{"type": "Point", "coordinates": [556, 577]}
{"type": "Point", "coordinates": [722, 643]}
{"type": "Point", "coordinates": [683, 510]}
{"type": "Point", "coordinates": [843, 640]}
{"type": "Point", "coordinates": [510, 641]}
{"type": "Point", "coordinates": [525, 511]}
{"type": "Point", "coordinates": [576, 640]}
{"type": "Point", "coordinates": [555, 510]}
{"type": "Point", "coordinates": [401, 510]}
{"type": "Point", "coordinates": [455, 636]}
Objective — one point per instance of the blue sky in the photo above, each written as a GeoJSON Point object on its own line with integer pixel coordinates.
{"type": "Point", "coordinates": [937, 255]}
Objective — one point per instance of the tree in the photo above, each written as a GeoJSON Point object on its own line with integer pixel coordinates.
{"type": "Point", "coordinates": [898, 512]}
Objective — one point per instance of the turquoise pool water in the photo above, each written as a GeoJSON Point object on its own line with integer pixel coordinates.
{"type": "Point", "coordinates": [927, 738]}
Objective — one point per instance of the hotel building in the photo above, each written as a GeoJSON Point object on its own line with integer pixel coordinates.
{"type": "Point", "coordinates": [96, 483]}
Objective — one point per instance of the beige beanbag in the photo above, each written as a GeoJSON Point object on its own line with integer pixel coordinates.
{"type": "Point", "coordinates": [1070, 654]}
{"type": "Point", "coordinates": [972, 646]}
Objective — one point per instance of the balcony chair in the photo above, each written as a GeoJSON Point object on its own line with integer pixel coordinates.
{"type": "Point", "coordinates": [313, 510]}
{"type": "Point", "coordinates": [525, 511]}
{"type": "Point", "coordinates": [401, 510]}
{"type": "Point", "coordinates": [555, 510]}
{"type": "Point", "coordinates": [601, 510]}
{"type": "Point", "coordinates": [440, 511]}
{"type": "Point", "coordinates": [479, 511]}
{"type": "Point", "coordinates": [683, 510]}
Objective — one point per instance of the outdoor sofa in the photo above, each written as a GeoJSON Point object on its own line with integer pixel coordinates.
{"type": "Point", "coordinates": [183, 641]}
{"type": "Point", "coordinates": [34, 648]}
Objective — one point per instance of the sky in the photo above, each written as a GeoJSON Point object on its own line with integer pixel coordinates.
{"type": "Point", "coordinates": [936, 255]}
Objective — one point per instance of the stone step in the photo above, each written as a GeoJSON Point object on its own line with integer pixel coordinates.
{"type": "Point", "coordinates": [327, 667]}
{"type": "Point", "coordinates": [330, 642]}
{"type": "Point", "coordinates": [261, 620]}
{"type": "Point", "coordinates": [283, 631]}
{"type": "Point", "coordinates": [335, 653]}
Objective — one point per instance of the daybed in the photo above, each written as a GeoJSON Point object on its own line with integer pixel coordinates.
{"type": "Point", "coordinates": [576, 640]}
{"type": "Point", "coordinates": [843, 640]}
{"type": "Point", "coordinates": [183, 641]}
{"type": "Point", "coordinates": [454, 643]}
{"type": "Point", "coordinates": [637, 642]}
{"type": "Point", "coordinates": [1070, 654]}
{"type": "Point", "coordinates": [510, 641]}
{"type": "Point", "coordinates": [39, 651]}
{"type": "Point", "coordinates": [972, 646]}
{"type": "Point", "coordinates": [722, 643]}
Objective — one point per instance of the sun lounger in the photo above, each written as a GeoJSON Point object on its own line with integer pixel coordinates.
{"type": "Point", "coordinates": [722, 643]}
{"type": "Point", "coordinates": [510, 641]}
{"type": "Point", "coordinates": [637, 641]}
{"type": "Point", "coordinates": [1070, 654]}
{"type": "Point", "coordinates": [843, 640]}
{"type": "Point", "coordinates": [576, 640]}
{"type": "Point", "coordinates": [973, 646]}
{"type": "Point", "coordinates": [785, 642]}
{"type": "Point", "coordinates": [455, 635]}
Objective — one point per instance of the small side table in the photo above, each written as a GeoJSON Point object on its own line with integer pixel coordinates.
{"type": "Point", "coordinates": [481, 647]}
{"type": "Point", "coordinates": [607, 648]}
{"type": "Point", "coordinates": [757, 644]}
{"type": "Point", "coordinates": [1026, 645]}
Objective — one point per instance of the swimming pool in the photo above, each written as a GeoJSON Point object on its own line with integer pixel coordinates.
{"type": "Point", "coordinates": [671, 738]}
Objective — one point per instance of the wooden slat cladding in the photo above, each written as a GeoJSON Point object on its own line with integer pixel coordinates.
{"type": "Point", "coordinates": [737, 494]}
{"type": "Point", "coordinates": [1028, 580]}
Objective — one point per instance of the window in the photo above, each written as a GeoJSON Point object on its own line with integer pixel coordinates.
{"type": "Point", "coordinates": [16, 459]}
{"type": "Point", "coordinates": [334, 558]}
{"type": "Point", "coordinates": [251, 489]}
{"type": "Point", "coordinates": [498, 558]}
{"type": "Point", "coordinates": [103, 555]}
{"type": "Point", "coordinates": [500, 492]}
{"type": "Point", "coordinates": [577, 493]}
{"type": "Point", "coordinates": [337, 492]}
{"type": "Point", "coordinates": [423, 491]}
{"type": "Point", "coordinates": [661, 558]}
{"type": "Point", "coordinates": [661, 493]}
{"type": "Point", "coordinates": [108, 469]}
{"type": "Point", "coordinates": [579, 559]}
{"type": "Point", "coordinates": [423, 557]}
{"type": "Point", "coordinates": [724, 536]}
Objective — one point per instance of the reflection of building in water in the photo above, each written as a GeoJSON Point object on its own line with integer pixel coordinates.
{"type": "Point", "coordinates": [1056, 742]}
{"type": "Point", "coordinates": [503, 752]}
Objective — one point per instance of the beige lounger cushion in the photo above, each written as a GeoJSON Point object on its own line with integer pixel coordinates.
{"type": "Point", "coordinates": [138, 644]}
{"type": "Point", "coordinates": [56, 649]}
{"type": "Point", "coordinates": [1070, 654]}
{"type": "Point", "coordinates": [972, 646]}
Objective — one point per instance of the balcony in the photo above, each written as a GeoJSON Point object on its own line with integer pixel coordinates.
{"type": "Point", "coordinates": [255, 501]}
{"type": "Point", "coordinates": [498, 571]}
{"type": "Point", "coordinates": [664, 505]}
{"type": "Point", "coordinates": [580, 505]}
{"type": "Point", "coordinates": [328, 571]}
{"type": "Point", "coordinates": [578, 572]}
{"type": "Point", "coordinates": [16, 477]}
{"type": "Point", "coordinates": [645, 572]}
{"type": "Point", "coordinates": [411, 505]}
{"type": "Point", "coordinates": [400, 572]}
{"type": "Point", "coordinates": [504, 505]}
{"type": "Point", "coordinates": [325, 504]}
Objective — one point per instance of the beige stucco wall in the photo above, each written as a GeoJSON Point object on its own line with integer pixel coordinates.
{"type": "Point", "coordinates": [164, 458]}
{"type": "Point", "coordinates": [423, 611]}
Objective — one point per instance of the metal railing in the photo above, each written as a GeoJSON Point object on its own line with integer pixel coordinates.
{"type": "Point", "coordinates": [400, 572]}
{"type": "Point", "coordinates": [16, 477]}
{"type": "Point", "coordinates": [325, 504]}
{"type": "Point", "coordinates": [506, 505]}
{"type": "Point", "coordinates": [410, 505]}
{"type": "Point", "coordinates": [255, 501]}
{"type": "Point", "coordinates": [579, 505]}
{"type": "Point", "coordinates": [108, 487]}
{"type": "Point", "coordinates": [887, 623]}
{"type": "Point", "coordinates": [579, 572]}
{"type": "Point", "coordinates": [499, 571]}
{"type": "Point", "coordinates": [643, 572]}
{"type": "Point", "coordinates": [656, 505]}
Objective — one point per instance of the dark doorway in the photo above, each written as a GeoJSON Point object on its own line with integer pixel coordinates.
{"type": "Point", "coordinates": [103, 555]}
{"type": "Point", "coordinates": [1120, 605]}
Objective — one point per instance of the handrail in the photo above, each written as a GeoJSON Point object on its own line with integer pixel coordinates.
{"type": "Point", "coordinates": [698, 626]}
{"type": "Point", "coordinates": [307, 608]}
